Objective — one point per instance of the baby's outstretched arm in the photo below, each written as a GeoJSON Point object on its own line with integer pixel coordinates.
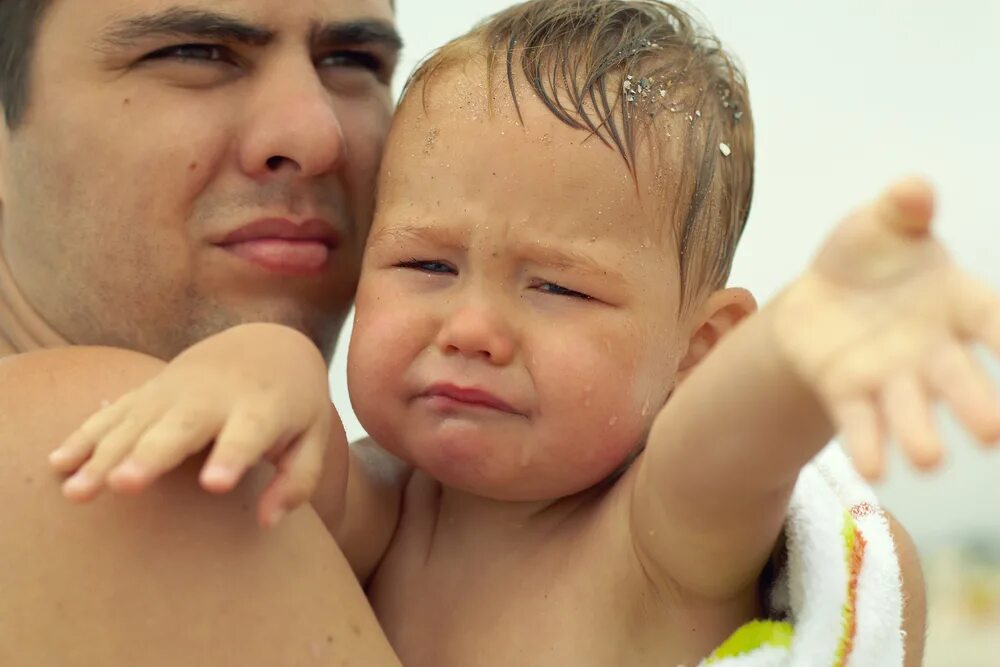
{"type": "Point", "coordinates": [875, 331]}
{"type": "Point", "coordinates": [257, 391]}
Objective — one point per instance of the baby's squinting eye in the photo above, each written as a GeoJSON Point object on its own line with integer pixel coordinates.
{"type": "Point", "coordinates": [427, 266]}
{"type": "Point", "coordinates": [559, 290]}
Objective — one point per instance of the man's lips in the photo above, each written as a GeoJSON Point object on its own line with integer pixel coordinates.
{"type": "Point", "coordinates": [283, 246]}
{"type": "Point", "coordinates": [449, 395]}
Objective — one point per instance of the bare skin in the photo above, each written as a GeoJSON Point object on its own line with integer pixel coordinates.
{"type": "Point", "coordinates": [107, 584]}
{"type": "Point", "coordinates": [138, 155]}
{"type": "Point", "coordinates": [504, 531]}
{"type": "Point", "coordinates": [663, 564]}
{"type": "Point", "coordinates": [72, 193]}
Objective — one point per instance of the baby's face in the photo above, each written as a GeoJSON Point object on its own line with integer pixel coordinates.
{"type": "Point", "coordinates": [517, 325]}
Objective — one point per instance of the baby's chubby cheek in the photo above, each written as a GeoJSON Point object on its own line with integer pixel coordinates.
{"type": "Point", "coordinates": [375, 336]}
{"type": "Point", "coordinates": [616, 450]}
{"type": "Point", "coordinates": [600, 441]}
{"type": "Point", "coordinates": [381, 318]}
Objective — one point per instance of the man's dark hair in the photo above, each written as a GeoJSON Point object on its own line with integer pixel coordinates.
{"type": "Point", "coordinates": [19, 21]}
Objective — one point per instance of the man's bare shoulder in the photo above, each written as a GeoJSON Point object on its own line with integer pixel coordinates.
{"type": "Point", "coordinates": [44, 395]}
{"type": "Point", "coordinates": [174, 576]}
{"type": "Point", "coordinates": [69, 368]}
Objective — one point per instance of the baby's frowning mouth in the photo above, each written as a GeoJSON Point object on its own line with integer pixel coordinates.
{"type": "Point", "coordinates": [447, 397]}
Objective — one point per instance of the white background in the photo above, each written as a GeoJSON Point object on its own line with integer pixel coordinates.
{"type": "Point", "coordinates": [846, 96]}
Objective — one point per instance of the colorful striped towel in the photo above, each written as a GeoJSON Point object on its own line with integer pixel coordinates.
{"type": "Point", "coordinates": [839, 594]}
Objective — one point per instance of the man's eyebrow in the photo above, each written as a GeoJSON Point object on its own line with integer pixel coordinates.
{"type": "Point", "coordinates": [360, 32]}
{"type": "Point", "coordinates": [184, 22]}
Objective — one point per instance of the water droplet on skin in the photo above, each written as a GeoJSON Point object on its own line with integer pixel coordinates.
{"type": "Point", "coordinates": [525, 458]}
{"type": "Point", "coordinates": [612, 421]}
{"type": "Point", "coordinates": [645, 408]}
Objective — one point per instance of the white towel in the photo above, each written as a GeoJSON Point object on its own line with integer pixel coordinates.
{"type": "Point", "coordinates": [839, 594]}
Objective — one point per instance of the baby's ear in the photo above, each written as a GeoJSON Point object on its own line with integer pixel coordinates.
{"type": "Point", "coordinates": [720, 312]}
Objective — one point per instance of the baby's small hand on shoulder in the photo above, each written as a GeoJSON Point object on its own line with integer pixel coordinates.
{"type": "Point", "coordinates": [881, 326]}
{"type": "Point", "coordinates": [253, 392]}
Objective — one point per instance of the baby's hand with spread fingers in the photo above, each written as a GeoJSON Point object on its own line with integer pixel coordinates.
{"type": "Point", "coordinates": [253, 392]}
{"type": "Point", "coordinates": [882, 326]}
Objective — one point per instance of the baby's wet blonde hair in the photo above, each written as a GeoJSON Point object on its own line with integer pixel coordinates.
{"type": "Point", "coordinates": [618, 68]}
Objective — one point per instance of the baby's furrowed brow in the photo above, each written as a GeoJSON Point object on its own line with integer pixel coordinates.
{"type": "Point", "coordinates": [568, 260]}
{"type": "Point", "coordinates": [430, 235]}
{"type": "Point", "coordinates": [537, 252]}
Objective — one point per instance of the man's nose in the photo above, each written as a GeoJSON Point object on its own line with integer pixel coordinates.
{"type": "Point", "coordinates": [476, 330]}
{"type": "Point", "coordinates": [292, 126]}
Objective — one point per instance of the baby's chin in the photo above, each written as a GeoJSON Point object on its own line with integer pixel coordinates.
{"type": "Point", "coordinates": [500, 469]}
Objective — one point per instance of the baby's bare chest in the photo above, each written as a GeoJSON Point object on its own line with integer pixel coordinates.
{"type": "Point", "coordinates": [485, 614]}
{"type": "Point", "coordinates": [577, 604]}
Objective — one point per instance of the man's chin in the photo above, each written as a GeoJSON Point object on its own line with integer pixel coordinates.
{"type": "Point", "coordinates": [322, 330]}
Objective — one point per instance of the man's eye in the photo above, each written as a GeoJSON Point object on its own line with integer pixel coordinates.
{"type": "Point", "coordinates": [190, 52]}
{"type": "Point", "coordinates": [427, 266]}
{"type": "Point", "coordinates": [559, 290]}
{"type": "Point", "coordinates": [358, 59]}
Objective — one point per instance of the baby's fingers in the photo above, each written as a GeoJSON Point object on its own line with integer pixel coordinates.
{"type": "Point", "coordinates": [246, 437]}
{"type": "Point", "coordinates": [77, 448]}
{"type": "Point", "coordinates": [906, 206]}
{"type": "Point", "coordinates": [180, 433]}
{"type": "Point", "coordinates": [298, 473]}
{"type": "Point", "coordinates": [907, 410]}
{"type": "Point", "coordinates": [862, 433]}
{"type": "Point", "coordinates": [86, 483]}
{"type": "Point", "coordinates": [955, 375]}
{"type": "Point", "coordinates": [978, 308]}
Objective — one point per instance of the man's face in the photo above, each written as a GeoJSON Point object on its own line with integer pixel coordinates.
{"type": "Point", "coordinates": [188, 165]}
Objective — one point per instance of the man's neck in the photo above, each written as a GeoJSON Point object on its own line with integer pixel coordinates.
{"type": "Point", "coordinates": [21, 328]}
{"type": "Point", "coordinates": [6, 347]}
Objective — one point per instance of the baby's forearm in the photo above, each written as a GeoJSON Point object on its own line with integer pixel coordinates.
{"type": "Point", "coordinates": [722, 459]}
